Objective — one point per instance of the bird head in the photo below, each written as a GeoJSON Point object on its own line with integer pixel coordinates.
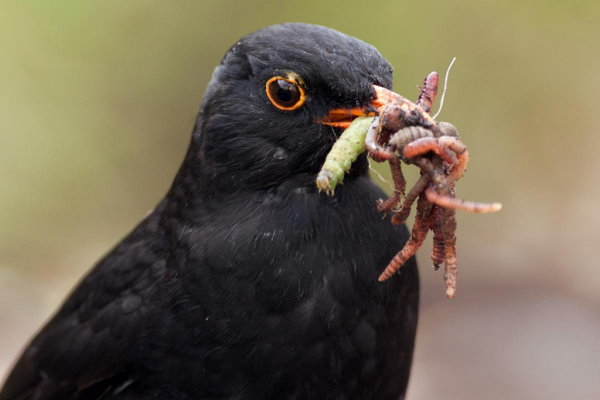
{"type": "Point", "coordinates": [277, 102]}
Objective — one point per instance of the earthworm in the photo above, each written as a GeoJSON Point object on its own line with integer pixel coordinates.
{"type": "Point", "coordinates": [438, 255]}
{"type": "Point", "coordinates": [417, 237]}
{"type": "Point", "coordinates": [400, 217]}
{"type": "Point", "coordinates": [428, 92]}
{"type": "Point", "coordinates": [458, 204]}
{"type": "Point", "coordinates": [399, 187]}
{"type": "Point", "coordinates": [376, 151]}
{"type": "Point", "coordinates": [427, 144]}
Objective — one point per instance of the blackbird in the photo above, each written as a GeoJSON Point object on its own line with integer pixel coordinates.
{"type": "Point", "coordinates": [245, 282]}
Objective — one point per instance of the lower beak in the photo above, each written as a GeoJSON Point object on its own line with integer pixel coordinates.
{"type": "Point", "coordinates": [343, 117]}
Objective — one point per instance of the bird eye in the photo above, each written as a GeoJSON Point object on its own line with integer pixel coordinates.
{"type": "Point", "coordinates": [285, 93]}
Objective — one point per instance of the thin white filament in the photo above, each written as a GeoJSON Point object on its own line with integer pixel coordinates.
{"type": "Point", "coordinates": [380, 176]}
{"type": "Point", "coordinates": [445, 87]}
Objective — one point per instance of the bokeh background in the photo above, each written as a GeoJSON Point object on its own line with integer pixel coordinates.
{"type": "Point", "coordinates": [98, 99]}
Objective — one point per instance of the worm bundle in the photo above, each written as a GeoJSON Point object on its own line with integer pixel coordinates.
{"type": "Point", "coordinates": [405, 133]}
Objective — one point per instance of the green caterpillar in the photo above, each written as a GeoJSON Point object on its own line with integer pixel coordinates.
{"type": "Point", "coordinates": [343, 153]}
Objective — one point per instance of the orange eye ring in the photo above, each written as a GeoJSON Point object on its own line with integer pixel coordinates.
{"type": "Point", "coordinates": [285, 93]}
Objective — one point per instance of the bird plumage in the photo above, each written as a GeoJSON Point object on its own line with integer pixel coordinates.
{"type": "Point", "coordinates": [245, 282]}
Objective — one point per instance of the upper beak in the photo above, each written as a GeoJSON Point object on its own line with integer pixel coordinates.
{"type": "Point", "coordinates": [343, 117]}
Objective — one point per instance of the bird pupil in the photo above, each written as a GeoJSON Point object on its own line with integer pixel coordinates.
{"type": "Point", "coordinates": [284, 95]}
{"type": "Point", "coordinates": [286, 91]}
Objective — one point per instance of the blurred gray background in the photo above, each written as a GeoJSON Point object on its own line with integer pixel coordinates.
{"type": "Point", "coordinates": [98, 99]}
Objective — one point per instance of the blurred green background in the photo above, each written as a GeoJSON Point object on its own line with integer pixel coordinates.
{"type": "Point", "coordinates": [98, 99]}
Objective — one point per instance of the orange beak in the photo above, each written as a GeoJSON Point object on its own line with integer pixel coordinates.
{"type": "Point", "coordinates": [343, 117]}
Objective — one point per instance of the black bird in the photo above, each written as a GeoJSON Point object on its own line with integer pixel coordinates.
{"type": "Point", "coordinates": [245, 282]}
